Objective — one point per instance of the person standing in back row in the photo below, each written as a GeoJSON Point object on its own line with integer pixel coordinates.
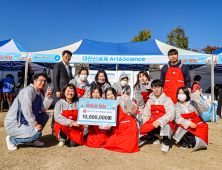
{"type": "Point", "coordinates": [175, 75]}
{"type": "Point", "coordinates": [62, 74]}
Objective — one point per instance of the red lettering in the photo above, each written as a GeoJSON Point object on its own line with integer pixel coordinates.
{"type": "Point", "coordinates": [190, 60]}
{"type": "Point", "coordinates": [10, 57]}
{"type": "Point", "coordinates": [194, 60]}
{"type": "Point", "coordinates": [100, 106]}
{"type": "Point", "coordinates": [1, 57]}
{"type": "Point", "coordinates": [6, 57]}
{"type": "Point", "coordinates": [95, 105]}
{"type": "Point", "coordinates": [91, 105]}
{"type": "Point", "coordinates": [87, 105]}
{"type": "Point", "coordinates": [104, 106]}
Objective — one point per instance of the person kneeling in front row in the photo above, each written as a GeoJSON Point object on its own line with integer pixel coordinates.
{"type": "Point", "coordinates": [158, 116]}
{"type": "Point", "coordinates": [192, 130]}
{"type": "Point", "coordinates": [27, 116]}
{"type": "Point", "coordinates": [65, 114]}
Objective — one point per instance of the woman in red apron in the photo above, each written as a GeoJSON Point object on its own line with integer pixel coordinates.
{"type": "Point", "coordinates": [124, 137]}
{"type": "Point", "coordinates": [65, 113]}
{"type": "Point", "coordinates": [81, 83]}
{"type": "Point", "coordinates": [158, 116]}
{"type": "Point", "coordinates": [97, 134]}
{"type": "Point", "coordinates": [192, 130]}
{"type": "Point", "coordinates": [142, 89]}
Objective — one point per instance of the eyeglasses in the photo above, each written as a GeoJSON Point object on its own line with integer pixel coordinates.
{"type": "Point", "coordinates": [42, 81]}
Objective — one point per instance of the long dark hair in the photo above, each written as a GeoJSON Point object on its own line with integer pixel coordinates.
{"type": "Point", "coordinates": [97, 88]}
{"type": "Point", "coordinates": [70, 85]}
{"type": "Point", "coordinates": [186, 92]}
{"type": "Point", "coordinates": [97, 76]}
{"type": "Point", "coordinates": [112, 90]}
{"type": "Point", "coordinates": [138, 75]}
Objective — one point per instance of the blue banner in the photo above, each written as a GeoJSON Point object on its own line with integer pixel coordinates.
{"type": "Point", "coordinates": [97, 111]}
{"type": "Point", "coordinates": [200, 59]}
{"type": "Point", "coordinates": [124, 59]}
{"type": "Point", "coordinates": [44, 58]}
{"type": "Point", "coordinates": [13, 56]}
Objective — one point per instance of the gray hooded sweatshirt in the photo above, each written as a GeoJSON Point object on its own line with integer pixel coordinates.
{"type": "Point", "coordinates": [119, 89]}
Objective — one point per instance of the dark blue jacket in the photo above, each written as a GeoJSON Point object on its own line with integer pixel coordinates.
{"type": "Point", "coordinates": [7, 84]}
{"type": "Point", "coordinates": [184, 70]}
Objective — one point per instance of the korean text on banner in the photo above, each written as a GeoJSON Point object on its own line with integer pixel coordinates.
{"type": "Point", "coordinates": [96, 111]}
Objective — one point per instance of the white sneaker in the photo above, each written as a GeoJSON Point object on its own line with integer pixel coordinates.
{"type": "Point", "coordinates": [62, 142]}
{"type": "Point", "coordinates": [156, 142]}
{"type": "Point", "coordinates": [36, 143]}
{"type": "Point", "coordinates": [165, 148]}
{"type": "Point", "coordinates": [184, 147]}
{"type": "Point", "coordinates": [10, 145]}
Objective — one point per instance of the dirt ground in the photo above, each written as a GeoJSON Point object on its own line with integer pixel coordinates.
{"type": "Point", "coordinates": [150, 156]}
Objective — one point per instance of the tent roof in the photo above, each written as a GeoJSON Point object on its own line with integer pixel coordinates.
{"type": "Point", "coordinates": [11, 46]}
{"type": "Point", "coordinates": [151, 47]}
{"type": "Point", "coordinates": [218, 52]}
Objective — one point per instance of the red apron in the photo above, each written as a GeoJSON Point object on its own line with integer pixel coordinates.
{"type": "Point", "coordinates": [124, 137]}
{"type": "Point", "coordinates": [173, 80]}
{"type": "Point", "coordinates": [80, 92]}
{"type": "Point", "coordinates": [201, 129]}
{"type": "Point", "coordinates": [97, 137]}
{"type": "Point", "coordinates": [145, 98]}
{"type": "Point", "coordinates": [157, 112]}
{"type": "Point", "coordinates": [74, 133]}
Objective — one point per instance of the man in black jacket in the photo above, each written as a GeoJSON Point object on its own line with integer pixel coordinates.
{"type": "Point", "coordinates": [62, 74]}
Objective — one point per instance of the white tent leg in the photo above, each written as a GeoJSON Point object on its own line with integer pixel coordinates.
{"type": "Point", "coordinates": [26, 73]}
{"type": "Point", "coordinates": [117, 72]}
{"type": "Point", "coordinates": [212, 88]}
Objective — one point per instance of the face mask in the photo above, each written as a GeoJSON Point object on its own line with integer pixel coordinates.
{"type": "Point", "coordinates": [123, 83]}
{"type": "Point", "coordinates": [182, 97]}
{"type": "Point", "coordinates": [83, 77]}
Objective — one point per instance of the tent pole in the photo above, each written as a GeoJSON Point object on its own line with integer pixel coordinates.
{"type": "Point", "coordinates": [117, 72]}
{"type": "Point", "coordinates": [26, 72]}
{"type": "Point", "coordinates": [212, 88]}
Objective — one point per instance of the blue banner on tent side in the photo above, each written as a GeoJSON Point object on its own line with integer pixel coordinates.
{"type": "Point", "coordinates": [13, 56]}
{"type": "Point", "coordinates": [44, 58]}
{"type": "Point", "coordinates": [201, 59]}
{"type": "Point", "coordinates": [125, 59]}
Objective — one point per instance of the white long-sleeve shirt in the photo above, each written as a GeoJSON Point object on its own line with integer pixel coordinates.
{"type": "Point", "coordinates": [162, 100]}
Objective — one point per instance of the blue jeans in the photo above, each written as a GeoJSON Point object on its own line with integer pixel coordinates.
{"type": "Point", "coordinates": [42, 120]}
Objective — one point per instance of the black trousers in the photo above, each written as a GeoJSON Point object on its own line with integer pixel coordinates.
{"type": "Point", "coordinates": [152, 133]}
{"type": "Point", "coordinates": [63, 136]}
{"type": "Point", "coordinates": [219, 105]}
{"type": "Point", "coordinates": [188, 139]}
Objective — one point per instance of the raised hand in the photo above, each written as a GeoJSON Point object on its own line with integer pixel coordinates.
{"type": "Point", "coordinates": [124, 95]}
{"type": "Point", "coordinates": [48, 92]}
{"type": "Point", "coordinates": [88, 97]}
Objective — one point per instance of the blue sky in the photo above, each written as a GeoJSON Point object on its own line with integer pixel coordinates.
{"type": "Point", "coordinates": [46, 24]}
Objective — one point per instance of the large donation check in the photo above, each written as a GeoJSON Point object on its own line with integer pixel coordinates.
{"type": "Point", "coordinates": [96, 111]}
